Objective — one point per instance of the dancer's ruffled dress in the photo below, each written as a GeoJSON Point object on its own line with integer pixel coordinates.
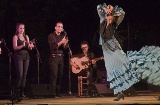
{"type": "Point", "coordinates": [126, 69]}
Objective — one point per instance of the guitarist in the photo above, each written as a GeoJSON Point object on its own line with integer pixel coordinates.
{"type": "Point", "coordinates": [91, 65]}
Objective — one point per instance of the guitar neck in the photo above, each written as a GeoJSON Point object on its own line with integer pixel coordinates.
{"type": "Point", "coordinates": [97, 59]}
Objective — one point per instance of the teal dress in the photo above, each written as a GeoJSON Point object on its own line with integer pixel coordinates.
{"type": "Point", "coordinates": [126, 69]}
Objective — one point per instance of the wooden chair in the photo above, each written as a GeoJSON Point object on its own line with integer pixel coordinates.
{"type": "Point", "coordinates": [83, 85]}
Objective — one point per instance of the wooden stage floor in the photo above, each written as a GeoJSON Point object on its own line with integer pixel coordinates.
{"type": "Point", "coordinates": [145, 99]}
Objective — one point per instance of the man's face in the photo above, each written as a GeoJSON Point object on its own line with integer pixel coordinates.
{"type": "Point", "coordinates": [59, 27]}
{"type": "Point", "coordinates": [84, 48]}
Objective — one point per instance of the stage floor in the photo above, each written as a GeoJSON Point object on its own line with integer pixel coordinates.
{"type": "Point", "coordinates": [148, 98]}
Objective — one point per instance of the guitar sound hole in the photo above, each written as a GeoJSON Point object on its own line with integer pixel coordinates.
{"type": "Point", "coordinates": [84, 63]}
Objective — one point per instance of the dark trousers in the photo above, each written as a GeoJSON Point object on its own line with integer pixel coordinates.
{"type": "Point", "coordinates": [21, 68]}
{"type": "Point", "coordinates": [56, 72]}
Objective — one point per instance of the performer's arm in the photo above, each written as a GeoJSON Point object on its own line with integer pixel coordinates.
{"type": "Point", "coordinates": [30, 44]}
{"type": "Point", "coordinates": [62, 42]}
{"type": "Point", "coordinates": [53, 45]}
{"type": "Point", "coordinates": [15, 46]}
{"type": "Point", "coordinates": [74, 65]}
{"type": "Point", "coordinates": [93, 61]}
{"type": "Point", "coordinates": [119, 13]}
{"type": "Point", "coordinates": [104, 10]}
{"type": "Point", "coordinates": [65, 45]}
{"type": "Point", "coordinates": [101, 13]}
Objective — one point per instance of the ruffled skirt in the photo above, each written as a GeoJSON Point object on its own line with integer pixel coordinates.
{"type": "Point", "coordinates": [124, 70]}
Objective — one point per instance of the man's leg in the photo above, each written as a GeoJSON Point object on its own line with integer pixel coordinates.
{"type": "Point", "coordinates": [53, 73]}
{"type": "Point", "coordinates": [59, 75]}
{"type": "Point", "coordinates": [26, 64]}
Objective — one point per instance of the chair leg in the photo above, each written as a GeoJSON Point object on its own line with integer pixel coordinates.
{"type": "Point", "coordinates": [79, 85]}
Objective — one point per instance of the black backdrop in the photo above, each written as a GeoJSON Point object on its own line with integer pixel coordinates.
{"type": "Point", "coordinates": [140, 27]}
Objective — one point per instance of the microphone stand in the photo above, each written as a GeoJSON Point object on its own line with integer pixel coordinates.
{"type": "Point", "coordinates": [38, 61]}
{"type": "Point", "coordinates": [69, 71]}
{"type": "Point", "coordinates": [10, 73]}
{"type": "Point", "coordinates": [69, 67]}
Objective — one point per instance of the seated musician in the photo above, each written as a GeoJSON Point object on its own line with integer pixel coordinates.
{"type": "Point", "coordinates": [83, 63]}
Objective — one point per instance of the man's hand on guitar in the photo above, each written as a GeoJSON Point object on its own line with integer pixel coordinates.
{"type": "Point", "coordinates": [93, 61]}
{"type": "Point", "coordinates": [75, 65]}
{"type": "Point", "coordinates": [101, 58]}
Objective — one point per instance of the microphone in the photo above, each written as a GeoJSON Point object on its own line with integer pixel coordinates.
{"type": "Point", "coordinates": [64, 32]}
{"type": "Point", "coordinates": [3, 41]}
{"type": "Point", "coordinates": [34, 41]}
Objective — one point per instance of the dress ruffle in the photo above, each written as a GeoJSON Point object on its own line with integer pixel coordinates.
{"type": "Point", "coordinates": [146, 62]}
{"type": "Point", "coordinates": [124, 70]}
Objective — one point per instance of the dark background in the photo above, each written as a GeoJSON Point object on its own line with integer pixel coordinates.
{"type": "Point", "coordinates": [140, 27]}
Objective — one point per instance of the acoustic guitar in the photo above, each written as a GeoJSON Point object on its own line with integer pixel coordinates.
{"type": "Point", "coordinates": [83, 63]}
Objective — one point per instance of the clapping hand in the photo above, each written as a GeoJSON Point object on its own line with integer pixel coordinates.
{"type": "Point", "coordinates": [93, 61]}
{"type": "Point", "coordinates": [65, 41]}
{"type": "Point", "coordinates": [31, 45]}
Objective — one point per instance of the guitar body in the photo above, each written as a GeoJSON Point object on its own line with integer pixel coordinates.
{"type": "Point", "coordinates": [79, 62]}
{"type": "Point", "coordinates": [83, 63]}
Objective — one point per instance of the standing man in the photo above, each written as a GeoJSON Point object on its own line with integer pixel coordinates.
{"type": "Point", "coordinates": [57, 41]}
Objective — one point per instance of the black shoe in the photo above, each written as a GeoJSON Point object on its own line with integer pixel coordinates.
{"type": "Point", "coordinates": [23, 95]}
{"type": "Point", "coordinates": [58, 95]}
{"type": "Point", "coordinates": [120, 96]}
{"type": "Point", "coordinates": [158, 97]}
{"type": "Point", "coordinates": [16, 99]}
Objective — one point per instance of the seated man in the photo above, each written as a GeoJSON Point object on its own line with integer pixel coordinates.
{"type": "Point", "coordinates": [84, 63]}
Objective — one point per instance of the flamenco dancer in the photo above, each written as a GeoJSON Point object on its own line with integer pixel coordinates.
{"type": "Point", "coordinates": [124, 70]}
